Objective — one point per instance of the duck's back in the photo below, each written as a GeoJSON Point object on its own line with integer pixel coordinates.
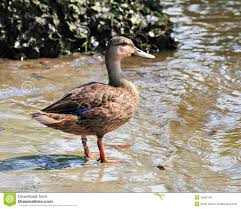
{"type": "Point", "coordinates": [91, 109]}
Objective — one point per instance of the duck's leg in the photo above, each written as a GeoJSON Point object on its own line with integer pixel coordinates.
{"type": "Point", "coordinates": [101, 149]}
{"type": "Point", "coordinates": [102, 152]}
{"type": "Point", "coordinates": [86, 149]}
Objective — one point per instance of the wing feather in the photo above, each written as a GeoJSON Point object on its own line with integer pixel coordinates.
{"type": "Point", "coordinates": [84, 97]}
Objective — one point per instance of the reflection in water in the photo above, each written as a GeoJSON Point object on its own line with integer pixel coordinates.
{"type": "Point", "coordinates": [189, 119]}
{"type": "Point", "coordinates": [41, 162]}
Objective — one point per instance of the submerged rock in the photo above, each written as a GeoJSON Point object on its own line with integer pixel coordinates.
{"type": "Point", "coordinates": [161, 167]}
{"type": "Point", "coordinates": [49, 28]}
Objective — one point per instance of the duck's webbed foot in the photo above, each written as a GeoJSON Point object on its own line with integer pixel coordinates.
{"type": "Point", "coordinates": [103, 158]}
{"type": "Point", "coordinates": [110, 160]}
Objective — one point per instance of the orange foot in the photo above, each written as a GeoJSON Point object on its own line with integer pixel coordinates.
{"type": "Point", "coordinates": [119, 146]}
{"type": "Point", "coordinates": [110, 161]}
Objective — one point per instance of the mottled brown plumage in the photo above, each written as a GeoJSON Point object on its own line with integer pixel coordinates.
{"type": "Point", "coordinates": [97, 108]}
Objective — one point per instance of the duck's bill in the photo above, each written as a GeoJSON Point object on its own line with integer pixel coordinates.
{"type": "Point", "coordinates": [140, 53]}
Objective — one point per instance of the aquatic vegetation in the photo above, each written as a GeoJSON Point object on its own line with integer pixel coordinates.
{"type": "Point", "coordinates": [47, 28]}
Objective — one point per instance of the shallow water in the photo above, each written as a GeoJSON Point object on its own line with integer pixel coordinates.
{"type": "Point", "coordinates": [188, 121]}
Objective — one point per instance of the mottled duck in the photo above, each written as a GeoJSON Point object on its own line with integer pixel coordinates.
{"type": "Point", "coordinates": [97, 108]}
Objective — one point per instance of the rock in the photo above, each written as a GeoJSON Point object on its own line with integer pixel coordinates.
{"type": "Point", "coordinates": [160, 167]}
{"type": "Point", "coordinates": [50, 28]}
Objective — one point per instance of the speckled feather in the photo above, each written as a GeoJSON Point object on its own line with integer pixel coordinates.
{"type": "Point", "coordinates": [91, 109]}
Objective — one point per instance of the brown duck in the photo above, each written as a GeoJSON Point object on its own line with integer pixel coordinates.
{"type": "Point", "coordinates": [97, 108]}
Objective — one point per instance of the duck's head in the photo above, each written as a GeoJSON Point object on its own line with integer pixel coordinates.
{"type": "Point", "coordinates": [120, 47]}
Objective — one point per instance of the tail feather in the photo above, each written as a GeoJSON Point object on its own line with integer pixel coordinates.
{"type": "Point", "coordinates": [45, 118]}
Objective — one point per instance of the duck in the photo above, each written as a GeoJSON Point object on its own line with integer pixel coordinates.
{"type": "Point", "coordinates": [97, 108]}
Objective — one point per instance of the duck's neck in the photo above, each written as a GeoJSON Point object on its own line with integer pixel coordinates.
{"type": "Point", "coordinates": [116, 77]}
{"type": "Point", "coordinates": [115, 74]}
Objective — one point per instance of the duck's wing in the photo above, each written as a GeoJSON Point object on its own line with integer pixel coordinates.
{"type": "Point", "coordinates": [84, 98]}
